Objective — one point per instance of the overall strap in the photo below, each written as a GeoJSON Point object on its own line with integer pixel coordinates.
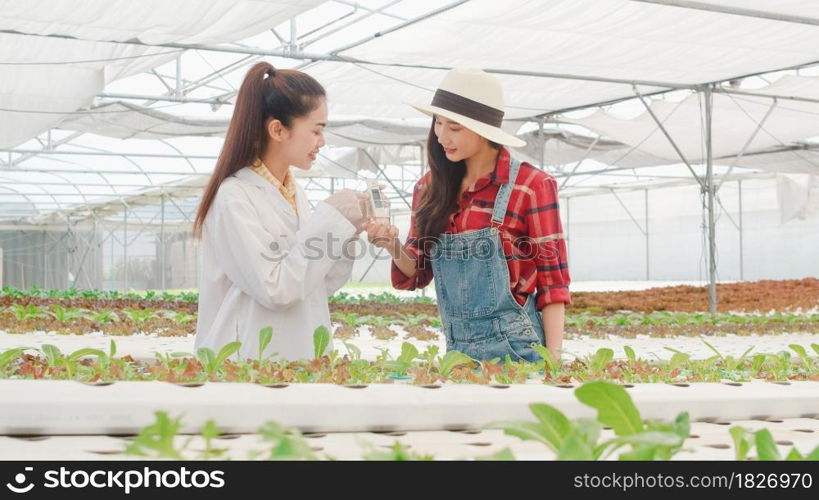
{"type": "Point", "coordinates": [504, 193]}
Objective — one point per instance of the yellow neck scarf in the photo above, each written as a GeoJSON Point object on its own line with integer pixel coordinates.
{"type": "Point", "coordinates": [286, 188]}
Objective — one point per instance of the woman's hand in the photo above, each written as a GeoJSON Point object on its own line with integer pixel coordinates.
{"type": "Point", "coordinates": [353, 205]}
{"type": "Point", "coordinates": [383, 235]}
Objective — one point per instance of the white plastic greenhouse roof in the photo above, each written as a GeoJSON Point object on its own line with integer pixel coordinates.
{"type": "Point", "coordinates": [103, 102]}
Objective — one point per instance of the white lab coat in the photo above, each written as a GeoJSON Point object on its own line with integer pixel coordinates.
{"type": "Point", "coordinates": [245, 285]}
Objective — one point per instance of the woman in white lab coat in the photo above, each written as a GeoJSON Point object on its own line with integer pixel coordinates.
{"type": "Point", "coordinates": [267, 259]}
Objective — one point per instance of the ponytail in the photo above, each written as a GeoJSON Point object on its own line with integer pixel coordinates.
{"type": "Point", "coordinates": [265, 93]}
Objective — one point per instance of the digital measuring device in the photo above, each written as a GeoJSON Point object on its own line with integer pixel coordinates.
{"type": "Point", "coordinates": [380, 204]}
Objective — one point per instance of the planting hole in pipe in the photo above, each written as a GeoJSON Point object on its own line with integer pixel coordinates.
{"type": "Point", "coordinates": [101, 383]}
{"type": "Point", "coordinates": [31, 437]}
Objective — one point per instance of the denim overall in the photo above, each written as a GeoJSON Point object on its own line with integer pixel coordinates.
{"type": "Point", "coordinates": [480, 317]}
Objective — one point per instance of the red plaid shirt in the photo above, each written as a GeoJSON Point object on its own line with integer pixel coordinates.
{"type": "Point", "coordinates": [532, 233]}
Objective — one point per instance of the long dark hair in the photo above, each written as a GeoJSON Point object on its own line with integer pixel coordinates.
{"type": "Point", "coordinates": [266, 92]}
{"type": "Point", "coordinates": [440, 197]}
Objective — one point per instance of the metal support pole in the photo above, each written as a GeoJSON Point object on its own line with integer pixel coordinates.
{"type": "Point", "coordinates": [579, 162]}
{"type": "Point", "coordinates": [97, 253]}
{"type": "Point", "coordinates": [185, 259]}
{"type": "Point", "coordinates": [89, 243]}
{"type": "Point", "coordinates": [67, 267]}
{"type": "Point", "coordinates": [709, 185]}
{"type": "Point", "coordinates": [628, 212]}
{"type": "Point", "coordinates": [741, 256]}
{"type": "Point", "coordinates": [125, 246]}
{"type": "Point", "coordinates": [294, 37]}
{"type": "Point", "coordinates": [112, 253]}
{"type": "Point", "coordinates": [643, 230]}
{"type": "Point", "coordinates": [747, 144]}
{"type": "Point", "coordinates": [736, 11]}
{"type": "Point", "coordinates": [178, 90]}
{"type": "Point", "coordinates": [668, 136]}
{"type": "Point", "coordinates": [648, 275]}
{"type": "Point", "coordinates": [45, 266]}
{"type": "Point", "coordinates": [162, 244]}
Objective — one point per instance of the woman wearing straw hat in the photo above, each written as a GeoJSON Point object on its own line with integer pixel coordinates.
{"type": "Point", "coordinates": [486, 226]}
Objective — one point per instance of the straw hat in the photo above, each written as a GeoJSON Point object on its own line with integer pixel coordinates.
{"type": "Point", "coordinates": [473, 98]}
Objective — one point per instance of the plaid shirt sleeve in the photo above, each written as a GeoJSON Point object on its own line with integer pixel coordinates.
{"type": "Point", "coordinates": [548, 243]}
{"type": "Point", "coordinates": [423, 266]}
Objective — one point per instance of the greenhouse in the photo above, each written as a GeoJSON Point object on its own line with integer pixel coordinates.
{"type": "Point", "coordinates": [683, 141]}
